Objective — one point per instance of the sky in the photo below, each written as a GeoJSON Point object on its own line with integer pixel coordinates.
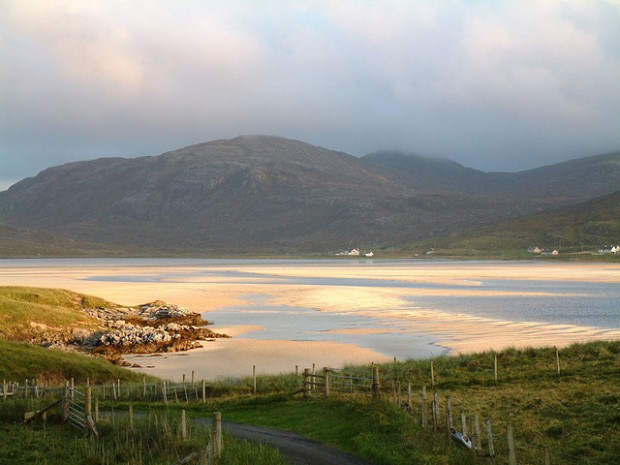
{"type": "Point", "coordinates": [494, 85]}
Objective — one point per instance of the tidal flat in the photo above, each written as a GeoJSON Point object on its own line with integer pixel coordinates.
{"type": "Point", "coordinates": [285, 314]}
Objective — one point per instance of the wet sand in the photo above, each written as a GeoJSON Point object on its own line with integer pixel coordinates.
{"type": "Point", "coordinates": [203, 288]}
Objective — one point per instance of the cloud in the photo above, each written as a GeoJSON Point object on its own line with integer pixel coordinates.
{"type": "Point", "coordinates": [494, 85]}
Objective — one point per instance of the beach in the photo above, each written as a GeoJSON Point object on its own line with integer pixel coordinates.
{"type": "Point", "coordinates": [387, 305]}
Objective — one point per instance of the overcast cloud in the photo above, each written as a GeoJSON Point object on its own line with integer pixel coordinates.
{"type": "Point", "coordinates": [495, 85]}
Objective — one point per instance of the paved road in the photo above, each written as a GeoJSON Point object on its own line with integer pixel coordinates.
{"type": "Point", "coordinates": [295, 448]}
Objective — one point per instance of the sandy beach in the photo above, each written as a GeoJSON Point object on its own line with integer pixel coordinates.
{"type": "Point", "coordinates": [205, 287]}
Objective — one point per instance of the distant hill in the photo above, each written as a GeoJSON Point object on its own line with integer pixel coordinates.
{"type": "Point", "coordinates": [275, 195]}
{"type": "Point", "coordinates": [592, 223]}
{"type": "Point", "coordinates": [564, 183]}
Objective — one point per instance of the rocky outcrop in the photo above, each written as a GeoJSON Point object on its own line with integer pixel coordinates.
{"type": "Point", "coordinates": [150, 328]}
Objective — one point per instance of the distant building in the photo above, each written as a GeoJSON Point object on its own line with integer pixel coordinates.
{"type": "Point", "coordinates": [352, 253]}
{"type": "Point", "coordinates": [535, 250]}
{"type": "Point", "coordinates": [553, 252]}
{"type": "Point", "coordinates": [369, 254]}
{"type": "Point", "coordinates": [608, 249]}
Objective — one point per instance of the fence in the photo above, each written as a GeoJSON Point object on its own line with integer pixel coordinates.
{"type": "Point", "coordinates": [435, 412]}
{"type": "Point", "coordinates": [76, 407]}
{"type": "Point", "coordinates": [434, 416]}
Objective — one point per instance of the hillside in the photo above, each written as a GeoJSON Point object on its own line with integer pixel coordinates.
{"type": "Point", "coordinates": [560, 184]}
{"type": "Point", "coordinates": [68, 321]}
{"type": "Point", "coordinates": [582, 227]}
{"type": "Point", "coordinates": [259, 194]}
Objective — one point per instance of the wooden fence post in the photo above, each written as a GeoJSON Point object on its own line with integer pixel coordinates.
{"type": "Point", "coordinates": [164, 392]}
{"type": "Point", "coordinates": [547, 456]}
{"type": "Point", "coordinates": [4, 389]}
{"type": "Point", "coordinates": [254, 378]}
{"type": "Point", "coordinates": [557, 361]}
{"type": "Point", "coordinates": [409, 395]}
{"type": "Point", "coordinates": [66, 402]}
{"type": "Point", "coordinates": [449, 414]}
{"type": "Point", "coordinates": [217, 436]}
{"type": "Point", "coordinates": [313, 383]}
{"type": "Point", "coordinates": [423, 407]}
{"type": "Point", "coordinates": [432, 375]}
{"type": "Point", "coordinates": [463, 421]}
{"type": "Point", "coordinates": [435, 411]}
{"type": "Point", "coordinates": [131, 424]}
{"type": "Point", "coordinates": [376, 386]}
{"type": "Point", "coordinates": [96, 409]}
{"type": "Point", "coordinates": [495, 367]}
{"type": "Point", "coordinates": [477, 438]}
{"type": "Point", "coordinates": [307, 380]}
{"type": "Point", "coordinates": [204, 391]}
{"type": "Point", "coordinates": [183, 425]}
{"type": "Point", "coordinates": [144, 386]}
{"type": "Point", "coordinates": [326, 380]}
{"type": "Point", "coordinates": [88, 408]}
{"type": "Point", "coordinates": [512, 454]}
{"type": "Point", "coordinates": [490, 438]}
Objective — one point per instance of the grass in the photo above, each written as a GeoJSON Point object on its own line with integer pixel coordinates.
{"type": "Point", "coordinates": [155, 440]}
{"type": "Point", "coordinates": [576, 415]}
{"type": "Point", "coordinates": [24, 309]}
{"type": "Point", "coordinates": [21, 361]}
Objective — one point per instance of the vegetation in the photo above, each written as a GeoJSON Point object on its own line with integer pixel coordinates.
{"type": "Point", "coordinates": [576, 231]}
{"type": "Point", "coordinates": [22, 361]}
{"type": "Point", "coordinates": [26, 309]}
{"type": "Point", "coordinates": [576, 415]}
{"type": "Point", "coordinates": [155, 439]}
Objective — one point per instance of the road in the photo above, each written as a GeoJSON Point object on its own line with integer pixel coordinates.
{"type": "Point", "coordinates": [296, 449]}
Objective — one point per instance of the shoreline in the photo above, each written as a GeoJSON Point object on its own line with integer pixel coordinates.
{"type": "Point", "coordinates": [203, 288]}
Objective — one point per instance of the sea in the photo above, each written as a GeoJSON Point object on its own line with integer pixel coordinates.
{"type": "Point", "coordinates": [552, 301]}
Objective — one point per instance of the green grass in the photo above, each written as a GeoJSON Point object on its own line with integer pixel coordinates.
{"type": "Point", "coordinates": [24, 309]}
{"type": "Point", "coordinates": [21, 361]}
{"type": "Point", "coordinates": [155, 440]}
{"type": "Point", "coordinates": [576, 415]}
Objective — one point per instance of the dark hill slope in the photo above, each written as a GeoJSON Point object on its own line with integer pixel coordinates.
{"type": "Point", "coordinates": [592, 223]}
{"type": "Point", "coordinates": [247, 192]}
{"type": "Point", "coordinates": [260, 193]}
{"type": "Point", "coordinates": [560, 184]}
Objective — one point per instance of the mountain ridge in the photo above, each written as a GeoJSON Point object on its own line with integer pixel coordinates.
{"type": "Point", "coordinates": [279, 194]}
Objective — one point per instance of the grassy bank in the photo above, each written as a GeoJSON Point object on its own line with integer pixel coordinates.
{"type": "Point", "coordinates": [27, 309]}
{"type": "Point", "coordinates": [576, 415]}
{"type": "Point", "coordinates": [21, 361]}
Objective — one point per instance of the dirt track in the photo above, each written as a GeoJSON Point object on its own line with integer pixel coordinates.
{"type": "Point", "coordinates": [297, 449]}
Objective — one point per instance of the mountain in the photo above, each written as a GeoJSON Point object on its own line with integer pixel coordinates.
{"type": "Point", "coordinates": [261, 193]}
{"type": "Point", "coordinates": [589, 224]}
{"type": "Point", "coordinates": [564, 183]}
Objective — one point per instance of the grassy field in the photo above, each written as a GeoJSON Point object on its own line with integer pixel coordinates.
{"type": "Point", "coordinates": [27, 309]}
{"type": "Point", "coordinates": [575, 414]}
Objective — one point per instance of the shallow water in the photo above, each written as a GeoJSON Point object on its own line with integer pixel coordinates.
{"type": "Point", "coordinates": [553, 301]}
